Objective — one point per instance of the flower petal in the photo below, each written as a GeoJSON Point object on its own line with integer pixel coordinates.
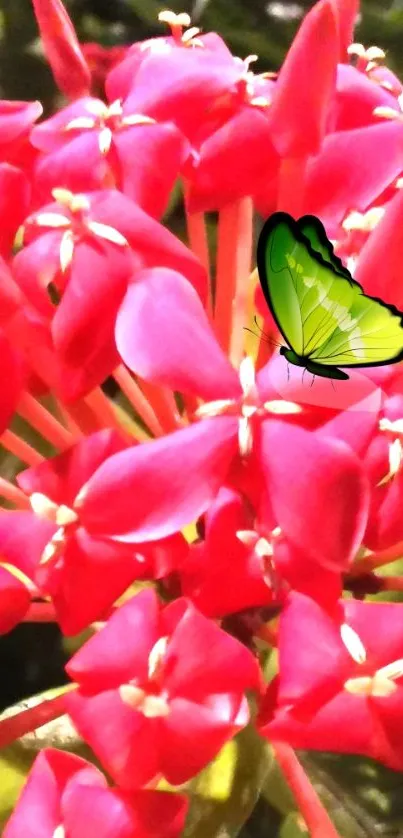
{"type": "Point", "coordinates": [163, 335]}
{"type": "Point", "coordinates": [144, 494]}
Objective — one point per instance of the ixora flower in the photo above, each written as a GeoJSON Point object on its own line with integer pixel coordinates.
{"type": "Point", "coordinates": [51, 547]}
{"type": "Point", "coordinates": [343, 691]}
{"type": "Point", "coordinates": [74, 247]}
{"type": "Point", "coordinates": [67, 796]}
{"type": "Point", "coordinates": [160, 691]}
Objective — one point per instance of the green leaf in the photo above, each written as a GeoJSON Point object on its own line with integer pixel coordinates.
{"type": "Point", "coordinates": [223, 795]}
{"type": "Point", "coordinates": [363, 798]}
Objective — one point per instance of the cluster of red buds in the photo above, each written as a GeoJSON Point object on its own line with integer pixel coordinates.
{"type": "Point", "coordinates": [216, 514]}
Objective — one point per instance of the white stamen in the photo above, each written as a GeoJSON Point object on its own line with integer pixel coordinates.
{"type": "Point", "coordinates": [375, 54]}
{"type": "Point", "coordinates": [156, 656]}
{"type": "Point", "coordinates": [66, 250]}
{"type": "Point", "coordinates": [173, 19]}
{"type": "Point", "coordinates": [51, 219]}
{"type": "Point", "coordinates": [282, 407]}
{"type": "Point", "coordinates": [105, 140]}
{"type": "Point", "coordinates": [80, 122]}
{"type": "Point", "coordinates": [353, 643]}
{"type": "Point", "coordinates": [245, 437]}
{"type": "Point", "coordinates": [385, 112]}
{"type": "Point", "coordinates": [115, 109]}
{"type": "Point", "coordinates": [392, 671]}
{"type": "Point", "coordinates": [43, 506]}
{"type": "Point", "coordinates": [138, 119]}
{"type": "Point", "coordinates": [104, 231]}
{"type": "Point", "coordinates": [214, 408]}
{"type": "Point", "coordinates": [395, 427]}
{"type": "Point", "coordinates": [247, 375]}
{"type": "Point", "coordinates": [65, 516]}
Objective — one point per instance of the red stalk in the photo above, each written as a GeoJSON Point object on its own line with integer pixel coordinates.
{"type": "Point", "coordinates": [103, 409]}
{"type": "Point", "coordinates": [84, 417]}
{"type": "Point", "coordinates": [164, 405]}
{"type": "Point", "coordinates": [377, 559]}
{"type": "Point", "coordinates": [13, 727]}
{"type": "Point", "coordinates": [391, 583]}
{"type": "Point", "coordinates": [44, 422]}
{"type": "Point", "coordinates": [13, 494]}
{"type": "Point", "coordinates": [21, 449]}
{"type": "Point", "coordinates": [137, 399]}
{"type": "Point", "coordinates": [233, 254]}
{"type": "Point", "coordinates": [290, 196]}
{"type": "Point", "coordinates": [243, 263]}
{"type": "Point", "coordinates": [40, 612]}
{"type": "Point", "coordinates": [198, 242]}
{"type": "Point", "coordinates": [313, 812]}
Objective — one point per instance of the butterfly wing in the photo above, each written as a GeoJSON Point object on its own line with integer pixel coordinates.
{"type": "Point", "coordinates": [306, 295]}
{"type": "Point", "coordinates": [321, 311]}
{"type": "Point", "coordinates": [371, 335]}
{"type": "Point", "coordinates": [313, 230]}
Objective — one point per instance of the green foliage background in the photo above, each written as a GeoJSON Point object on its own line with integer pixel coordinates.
{"type": "Point", "coordinates": [365, 800]}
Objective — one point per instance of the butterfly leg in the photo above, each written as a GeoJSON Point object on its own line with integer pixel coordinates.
{"type": "Point", "coordinates": [303, 373]}
{"type": "Point", "coordinates": [288, 372]}
{"type": "Point", "coordinates": [313, 378]}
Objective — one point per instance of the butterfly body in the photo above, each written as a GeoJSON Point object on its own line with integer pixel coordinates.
{"type": "Point", "coordinates": [310, 366]}
{"type": "Point", "coordinates": [323, 314]}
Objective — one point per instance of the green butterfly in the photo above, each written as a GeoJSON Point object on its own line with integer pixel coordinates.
{"type": "Point", "coordinates": [322, 313]}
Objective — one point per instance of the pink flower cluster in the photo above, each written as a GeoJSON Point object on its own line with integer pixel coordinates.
{"type": "Point", "coordinates": [250, 511]}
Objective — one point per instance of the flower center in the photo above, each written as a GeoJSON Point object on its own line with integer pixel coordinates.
{"type": "Point", "coordinates": [107, 119]}
{"type": "Point", "coordinates": [247, 407]}
{"type": "Point", "coordinates": [380, 685]}
{"type": "Point", "coordinates": [77, 226]}
{"type": "Point", "coordinates": [149, 698]}
{"type": "Point", "coordinates": [264, 549]}
{"type": "Point", "coordinates": [65, 518]}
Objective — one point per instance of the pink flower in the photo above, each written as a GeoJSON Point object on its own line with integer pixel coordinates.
{"type": "Point", "coordinates": [342, 692]}
{"type": "Point", "coordinates": [170, 684]}
{"type": "Point", "coordinates": [65, 793]}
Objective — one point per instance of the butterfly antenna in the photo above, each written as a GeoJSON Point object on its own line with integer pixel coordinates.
{"type": "Point", "coordinates": [262, 334]}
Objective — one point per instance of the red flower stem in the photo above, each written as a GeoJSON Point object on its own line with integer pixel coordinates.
{"type": "Point", "coordinates": [197, 235]}
{"type": "Point", "coordinates": [20, 449]}
{"type": "Point", "coordinates": [291, 186]}
{"type": "Point", "coordinates": [313, 812]}
{"type": "Point", "coordinates": [164, 405]}
{"type": "Point", "coordinates": [13, 494]}
{"type": "Point", "coordinates": [233, 238]}
{"type": "Point", "coordinates": [68, 420]}
{"type": "Point", "coordinates": [103, 409]}
{"type": "Point", "coordinates": [13, 727]}
{"type": "Point", "coordinates": [44, 422]}
{"type": "Point", "coordinates": [243, 263]}
{"type": "Point", "coordinates": [40, 612]}
{"type": "Point", "coordinates": [191, 403]}
{"type": "Point", "coordinates": [379, 559]}
{"type": "Point", "coordinates": [391, 583]}
{"type": "Point", "coordinates": [84, 417]}
{"type": "Point", "coordinates": [137, 399]}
